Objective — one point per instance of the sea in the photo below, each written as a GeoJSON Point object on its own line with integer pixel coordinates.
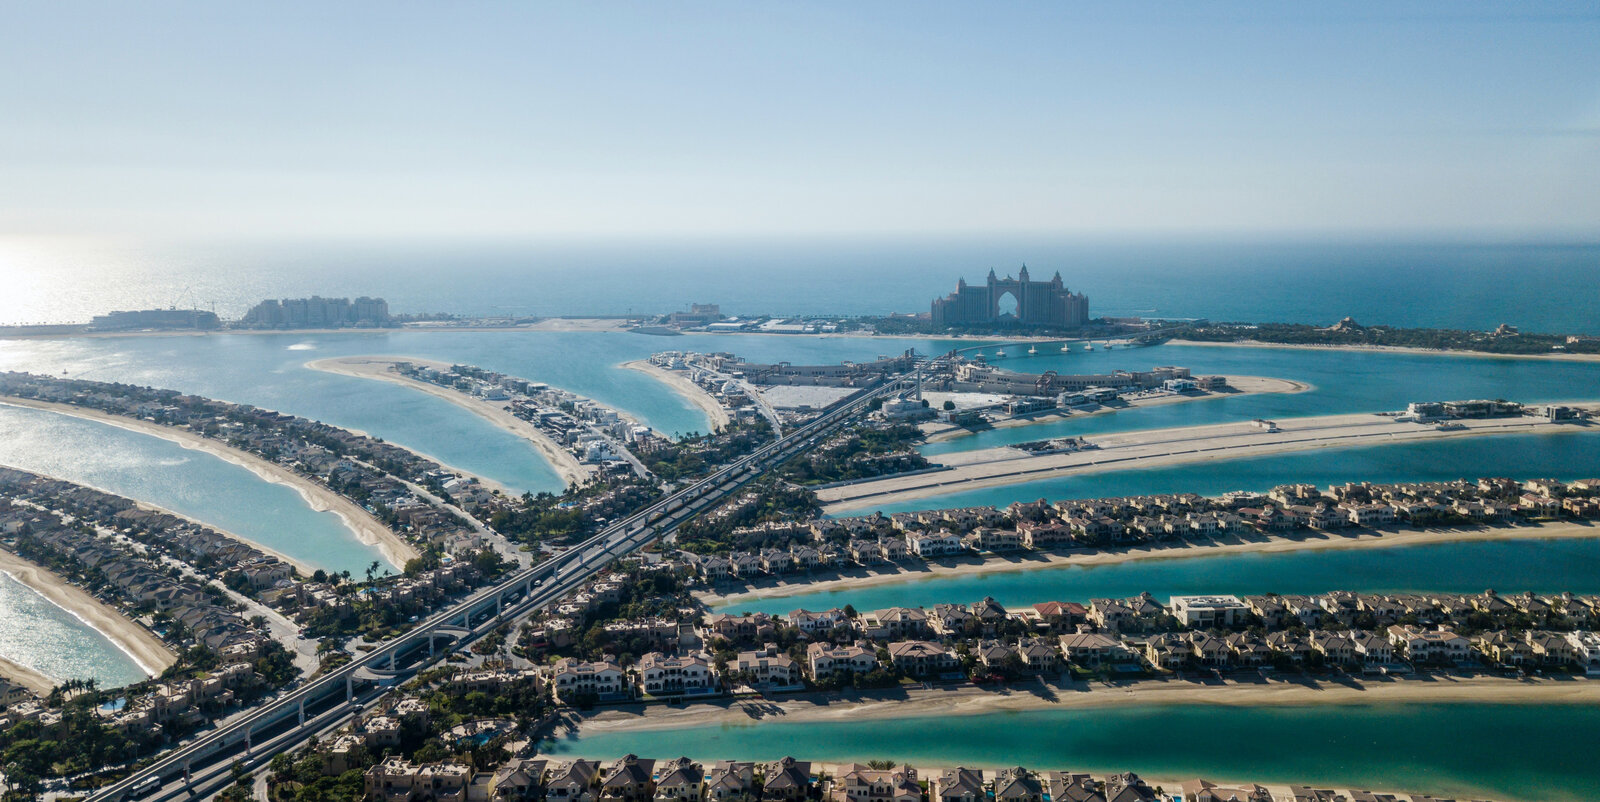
{"type": "Point", "coordinates": [1548, 287]}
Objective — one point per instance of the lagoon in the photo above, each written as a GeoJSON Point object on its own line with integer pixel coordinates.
{"type": "Point", "coordinates": [186, 481]}
{"type": "Point", "coordinates": [1342, 382]}
{"type": "Point", "coordinates": [54, 642]}
{"type": "Point", "coordinates": [1573, 454]}
{"type": "Point", "coordinates": [1542, 565]}
{"type": "Point", "coordinates": [1507, 752]}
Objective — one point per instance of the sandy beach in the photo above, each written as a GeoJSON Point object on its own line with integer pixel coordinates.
{"type": "Point", "coordinates": [1310, 540]}
{"type": "Point", "coordinates": [572, 471]}
{"type": "Point", "coordinates": [19, 674]}
{"type": "Point", "coordinates": [137, 642]}
{"type": "Point", "coordinates": [1242, 386]}
{"type": "Point", "coordinates": [367, 528]}
{"type": "Point", "coordinates": [1393, 349]}
{"type": "Point", "coordinates": [715, 412]}
{"type": "Point", "coordinates": [967, 700]}
{"type": "Point", "coordinates": [995, 467]}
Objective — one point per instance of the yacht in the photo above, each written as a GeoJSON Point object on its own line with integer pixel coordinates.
{"type": "Point", "coordinates": [1088, 346]}
{"type": "Point", "coordinates": [1032, 350]}
{"type": "Point", "coordinates": [1000, 354]}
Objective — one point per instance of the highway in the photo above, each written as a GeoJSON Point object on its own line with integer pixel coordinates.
{"type": "Point", "coordinates": [201, 767]}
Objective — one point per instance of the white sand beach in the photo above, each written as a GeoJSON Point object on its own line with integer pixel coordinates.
{"type": "Point", "coordinates": [367, 528]}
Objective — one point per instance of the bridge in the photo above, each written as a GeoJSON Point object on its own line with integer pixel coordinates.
{"type": "Point", "coordinates": [202, 766]}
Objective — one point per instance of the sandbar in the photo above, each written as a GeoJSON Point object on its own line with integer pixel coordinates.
{"type": "Point", "coordinates": [1554, 356]}
{"type": "Point", "coordinates": [1239, 386]}
{"type": "Point", "coordinates": [147, 651]}
{"type": "Point", "coordinates": [716, 413]}
{"type": "Point", "coordinates": [1250, 690]}
{"type": "Point", "coordinates": [570, 469]}
{"type": "Point", "coordinates": [1151, 448]}
{"type": "Point", "coordinates": [1310, 540]}
{"type": "Point", "coordinates": [366, 527]}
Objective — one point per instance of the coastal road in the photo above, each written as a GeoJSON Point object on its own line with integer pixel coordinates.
{"type": "Point", "coordinates": [201, 766]}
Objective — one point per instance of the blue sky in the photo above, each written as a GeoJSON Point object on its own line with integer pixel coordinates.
{"type": "Point", "coordinates": [513, 120]}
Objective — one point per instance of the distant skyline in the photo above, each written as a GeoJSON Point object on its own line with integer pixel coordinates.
{"type": "Point", "coordinates": [180, 120]}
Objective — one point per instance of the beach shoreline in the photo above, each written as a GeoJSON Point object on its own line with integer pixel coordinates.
{"type": "Point", "coordinates": [618, 326]}
{"type": "Point", "coordinates": [1032, 561]}
{"type": "Point", "coordinates": [566, 465]}
{"type": "Point", "coordinates": [1253, 690]}
{"type": "Point", "coordinates": [1155, 448]}
{"type": "Point", "coordinates": [366, 527]}
{"type": "Point", "coordinates": [716, 414]}
{"type": "Point", "coordinates": [1244, 385]}
{"type": "Point", "coordinates": [1391, 349]}
{"type": "Point", "coordinates": [140, 644]}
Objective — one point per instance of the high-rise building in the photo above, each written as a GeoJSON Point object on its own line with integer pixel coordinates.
{"type": "Point", "coordinates": [1013, 301]}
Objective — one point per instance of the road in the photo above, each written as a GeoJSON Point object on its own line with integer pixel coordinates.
{"type": "Point", "coordinates": [201, 766]}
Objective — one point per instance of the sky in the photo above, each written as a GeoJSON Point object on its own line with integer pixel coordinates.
{"type": "Point", "coordinates": [706, 119]}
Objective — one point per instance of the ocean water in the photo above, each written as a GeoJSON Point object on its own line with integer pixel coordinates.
{"type": "Point", "coordinates": [1541, 286]}
{"type": "Point", "coordinates": [1341, 382]}
{"type": "Point", "coordinates": [1533, 753]}
{"type": "Point", "coordinates": [269, 370]}
{"type": "Point", "coordinates": [48, 639]}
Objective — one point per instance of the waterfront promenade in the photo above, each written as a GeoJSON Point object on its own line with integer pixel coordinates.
{"type": "Point", "coordinates": [994, 467]}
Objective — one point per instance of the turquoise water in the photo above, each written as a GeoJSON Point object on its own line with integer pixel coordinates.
{"type": "Point", "coordinates": [1571, 454]}
{"type": "Point", "coordinates": [269, 370]}
{"type": "Point", "coordinates": [53, 642]}
{"type": "Point", "coordinates": [1545, 565]}
{"type": "Point", "coordinates": [183, 480]}
{"type": "Point", "coordinates": [1507, 752]}
{"type": "Point", "coordinates": [1342, 381]}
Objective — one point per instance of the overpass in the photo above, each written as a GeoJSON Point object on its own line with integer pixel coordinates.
{"type": "Point", "coordinates": [202, 766]}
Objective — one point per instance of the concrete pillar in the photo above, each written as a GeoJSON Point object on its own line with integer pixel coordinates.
{"type": "Point", "coordinates": [302, 712]}
{"type": "Point", "coordinates": [392, 653]}
{"type": "Point", "coordinates": [247, 744]}
{"type": "Point", "coordinates": [186, 773]}
{"type": "Point", "coordinates": [430, 647]}
{"type": "Point", "coordinates": [349, 688]}
{"type": "Point", "coordinates": [499, 604]}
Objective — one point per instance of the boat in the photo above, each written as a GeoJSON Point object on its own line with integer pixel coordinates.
{"type": "Point", "coordinates": [1088, 346]}
{"type": "Point", "coordinates": [1066, 348]}
{"type": "Point", "coordinates": [1032, 350]}
{"type": "Point", "coordinates": [999, 354]}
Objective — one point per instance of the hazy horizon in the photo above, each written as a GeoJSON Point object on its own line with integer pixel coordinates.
{"type": "Point", "coordinates": [191, 122]}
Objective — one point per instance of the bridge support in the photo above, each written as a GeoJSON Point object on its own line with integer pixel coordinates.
{"type": "Point", "coordinates": [247, 742]}
{"type": "Point", "coordinates": [349, 689]}
{"type": "Point", "coordinates": [302, 712]}
{"type": "Point", "coordinates": [187, 774]}
{"type": "Point", "coordinates": [391, 658]}
{"type": "Point", "coordinates": [499, 604]}
{"type": "Point", "coordinates": [430, 646]}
